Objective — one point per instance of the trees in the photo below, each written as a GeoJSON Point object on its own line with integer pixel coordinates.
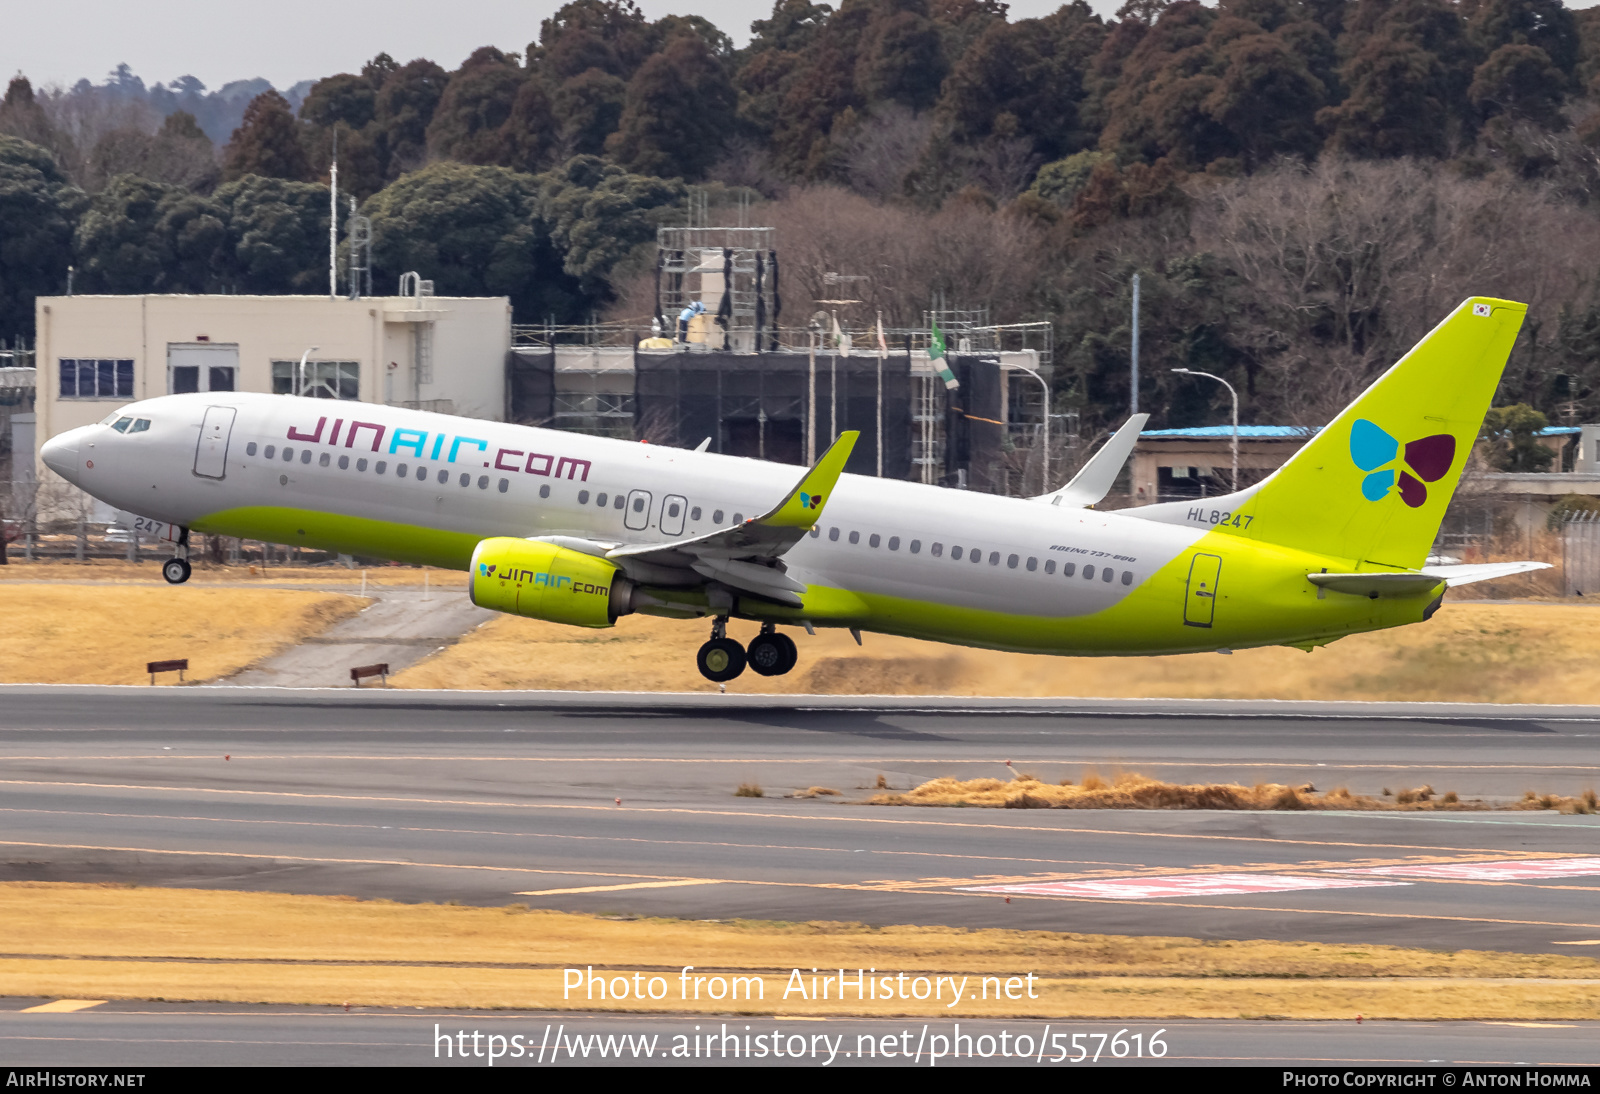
{"type": "Point", "coordinates": [405, 105]}
{"type": "Point", "coordinates": [678, 114]}
{"type": "Point", "coordinates": [470, 123]}
{"type": "Point", "coordinates": [140, 236]}
{"type": "Point", "coordinates": [1512, 436]}
{"type": "Point", "coordinates": [596, 214]}
{"type": "Point", "coordinates": [473, 230]}
{"type": "Point", "coordinates": [267, 143]}
{"type": "Point", "coordinates": [37, 211]}
{"type": "Point", "coordinates": [277, 235]}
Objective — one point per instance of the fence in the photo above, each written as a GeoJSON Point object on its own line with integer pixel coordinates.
{"type": "Point", "coordinates": [1580, 553]}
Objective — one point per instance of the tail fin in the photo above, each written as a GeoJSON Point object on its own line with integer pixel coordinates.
{"type": "Point", "coordinates": [1373, 486]}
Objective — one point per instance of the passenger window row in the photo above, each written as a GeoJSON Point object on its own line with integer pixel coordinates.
{"type": "Point", "coordinates": [381, 467]}
{"type": "Point", "coordinates": [1106, 574]}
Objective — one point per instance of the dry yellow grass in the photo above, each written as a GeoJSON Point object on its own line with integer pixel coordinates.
{"type": "Point", "coordinates": [148, 572]}
{"type": "Point", "coordinates": [87, 634]}
{"type": "Point", "coordinates": [98, 942]}
{"type": "Point", "coordinates": [1131, 790]}
{"type": "Point", "coordinates": [1469, 652]}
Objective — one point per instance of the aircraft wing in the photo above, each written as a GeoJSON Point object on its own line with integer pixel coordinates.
{"type": "Point", "coordinates": [748, 556]}
{"type": "Point", "coordinates": [1096, 478]}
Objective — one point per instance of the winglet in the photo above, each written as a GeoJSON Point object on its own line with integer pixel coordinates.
{"type": "Point", "coordinates": [1099, 475]}
{"type": "Point", "coordinates": [803, 507]}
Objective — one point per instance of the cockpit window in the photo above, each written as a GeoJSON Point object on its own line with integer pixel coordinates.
{"type": "Point", "coordinates": [121, 424]}
{"type": "Point", "coordinates": [139, 426]}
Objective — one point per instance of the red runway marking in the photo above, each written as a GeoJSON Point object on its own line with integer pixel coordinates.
{"type": "Point", "coordinates": [1522, 870]}
{"type": "Point", "coordinates": [1185, 885]}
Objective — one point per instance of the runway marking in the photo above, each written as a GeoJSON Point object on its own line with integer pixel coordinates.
{"type": "Point", "coordinates": [1290, 910]}
{"type": "Point", "coordinates": [1582, 942]}
{"type": "Point", "coordinates": [1117, 866]}
{"type": "Point", "coordinates": [753, 815]}
{"type": "Point", "coordinates": [62, 1006]}
{"type": "Point", "coordinates": [1525, 869]}
{"type": "Point", "coordinates": [633, 885]}
{"type": "Point", "coordinates": [853, 761]}
{"type": "Point", "coordinates": [847, 886]}
{"type": "Point", "coordinates": [1154, 888]}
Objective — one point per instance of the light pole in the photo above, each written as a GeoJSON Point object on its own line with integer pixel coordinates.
{"type": "Point", "coordinates": [300, 373]}
{"type": "Point", "coordinates": [1044, 484]}
{"type": "Point", "coordinates": [1235, 395]}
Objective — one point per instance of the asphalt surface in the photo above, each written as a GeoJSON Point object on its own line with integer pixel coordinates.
{"type": "Point", "coordinates": [618, 803]}
{"type": "Point", "coordinates": [130, 1036]}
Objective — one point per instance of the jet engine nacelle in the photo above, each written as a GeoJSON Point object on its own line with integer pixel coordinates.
{"type": "Point", "coordinates": [543, 581]}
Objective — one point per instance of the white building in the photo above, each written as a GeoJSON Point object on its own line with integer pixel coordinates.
{"type": "Point", "coordinates": [436, 353]}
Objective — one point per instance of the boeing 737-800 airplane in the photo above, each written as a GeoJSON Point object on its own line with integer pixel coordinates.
{"type": "Point", "coordinates": [582, 530]}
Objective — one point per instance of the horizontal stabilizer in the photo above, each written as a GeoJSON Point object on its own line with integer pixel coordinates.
{"type": "Point", "coordinates": [1376, 584]}
{"type": "Point", "coordinates": [1091, 484]}
{"type": "Point", "coordinates": [1481, 571]}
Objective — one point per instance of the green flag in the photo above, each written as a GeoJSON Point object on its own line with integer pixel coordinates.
{"type": "Point", "coordinates": [936, 359]}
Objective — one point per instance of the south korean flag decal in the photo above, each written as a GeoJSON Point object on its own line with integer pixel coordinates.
{"type": "Point", "coordinates": [1481, 309]}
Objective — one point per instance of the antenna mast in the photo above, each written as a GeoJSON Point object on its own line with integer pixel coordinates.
{"type": "Point", "coordinates": [333, 220]}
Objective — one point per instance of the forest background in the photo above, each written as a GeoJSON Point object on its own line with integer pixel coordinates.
{"type": "Point", "coordinates": [1305, 186]}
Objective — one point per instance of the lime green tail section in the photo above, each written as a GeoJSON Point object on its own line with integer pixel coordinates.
{"type": "Point", "coordinates": [1373, 486]}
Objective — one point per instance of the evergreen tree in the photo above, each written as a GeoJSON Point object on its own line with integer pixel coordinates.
{"type": "Point", "coordinates": [469, 125]}
{"type": "Point", "coordinates": [679, 112]}
{"type": "Point", "coordinates": [277, 239]}
{"type": "Point", "coordinates": [405, 106]}
{"type": "Point", "coordinates": [267, 143]}
{"type": "Point", "coordinates": [37, 211]}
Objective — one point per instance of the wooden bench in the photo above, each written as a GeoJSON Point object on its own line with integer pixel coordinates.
{"type": "Point", "coordinates": [359, 674]}
{"type": "Point", "coordinates": [167, 666]}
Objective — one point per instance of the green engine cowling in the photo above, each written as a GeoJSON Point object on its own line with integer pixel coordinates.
{"type": "Point", "coordinates": [543, 581]}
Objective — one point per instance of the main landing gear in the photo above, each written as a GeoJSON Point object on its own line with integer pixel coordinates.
{"type": "Point", "coordinates": [722, 659]}
{"type": "Point", "coordinates": [176, 569]}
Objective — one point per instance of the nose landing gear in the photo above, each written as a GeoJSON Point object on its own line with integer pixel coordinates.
{"type": "Point", "coordinates": [720, 659]}
{"type": "Point", "coordinates": [176, 569]}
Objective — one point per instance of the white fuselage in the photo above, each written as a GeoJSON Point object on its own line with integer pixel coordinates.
{"type": "Point", "coordinates": [419, 470]}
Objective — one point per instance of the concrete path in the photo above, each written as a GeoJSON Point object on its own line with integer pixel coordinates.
{"type": "Point", "coordinates": [400, 629]}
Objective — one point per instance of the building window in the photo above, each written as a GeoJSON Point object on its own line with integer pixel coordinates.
{"type": "Point", "coordinates": [187, 379]}
{"type": "Point", "coordinates": [96, 378]}
{"type": "Point", "coordinates": [323, 379]}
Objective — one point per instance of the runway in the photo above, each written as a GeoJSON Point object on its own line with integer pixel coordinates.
{"type": "Point", "coordinates": [134, 1035]}
{"type": "Point", "coordinates": [625, 803]}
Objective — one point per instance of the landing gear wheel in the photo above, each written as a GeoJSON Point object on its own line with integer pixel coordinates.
{"type": "Point", "coordinates": [772, 654]}
{"type": "Point", "coordinates": [720, 660]}
{"type": "Point", "coordinates": [175, 570]}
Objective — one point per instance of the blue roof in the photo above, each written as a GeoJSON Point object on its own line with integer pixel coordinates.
{"type": "Point", "coordinates": [1259, 432]}
{"type": "Point", "coordinates": [1557, 430]}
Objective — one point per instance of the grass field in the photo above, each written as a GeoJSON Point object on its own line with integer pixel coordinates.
{"type": "Point", "coordinates": [101, 942]}
{"type": "Point", "coordinates": [1498, 652]}
{"type": "Point", "coordinates": [94, 634]}
{"type": "Point", "coordinates": [148, 572]}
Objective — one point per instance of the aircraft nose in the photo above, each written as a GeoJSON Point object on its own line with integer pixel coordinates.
{"type": "Point", "coordinates": [60, 454]}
